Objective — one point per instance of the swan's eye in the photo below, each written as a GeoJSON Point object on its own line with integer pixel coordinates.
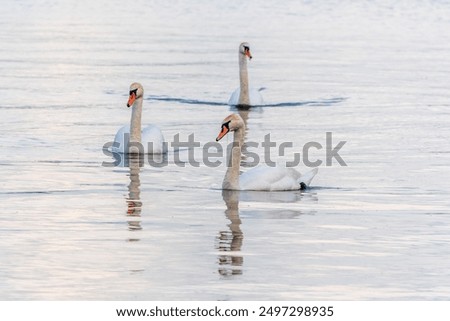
{"type": "Point", "coordinates": [246, 48]}
{"type": "Point", "coordinates": [134, 91]}
{"type": "Point", "coordinates": [226, 125]}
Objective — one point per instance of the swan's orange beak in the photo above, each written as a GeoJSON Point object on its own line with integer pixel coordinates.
{"type": "Point", "coordinates": [131, 99]}
{"type": "Point", "coordinates": [248, 54]}
{"type": "Point", "coordinates": [223, 132]}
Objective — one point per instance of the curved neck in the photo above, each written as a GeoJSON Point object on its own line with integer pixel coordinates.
{"type": "Point", "coordinates": [244, 98]}
{"type": "Point", "coordinates": [135, 124]}
{"type": "Point", "coordinates": [231, 179]}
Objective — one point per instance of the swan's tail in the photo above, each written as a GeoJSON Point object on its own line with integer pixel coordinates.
{"type": "Point", "coordinates": [306, 179]}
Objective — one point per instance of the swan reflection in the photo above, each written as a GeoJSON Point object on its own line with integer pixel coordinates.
{"type": "Point", "coordinates": [134, 203]}
{"type": "Point", "coordinates": [230, 240]}
{"type": "Point", "coordinates": [278, 205]}
{"type": "Point", "coordinates": [259, 205]}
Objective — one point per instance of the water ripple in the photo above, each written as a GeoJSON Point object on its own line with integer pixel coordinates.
{"type": "Point", "coordinates": [314, 103]}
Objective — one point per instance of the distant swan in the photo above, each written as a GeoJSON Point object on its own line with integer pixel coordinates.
{"type": "Point", "coordinates": [149, 140]}
{"type": "Point", "coordinates": [245, 96]}
{"type": "Point", "coordinates": [261, 178]}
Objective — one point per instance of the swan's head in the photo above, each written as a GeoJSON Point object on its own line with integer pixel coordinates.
{"type": "Point", "coordinates": [230, 124]}
{"type": "Point", "coordinates": [244, 49]}
{"type": "Point", "coordinates": [136, 91]}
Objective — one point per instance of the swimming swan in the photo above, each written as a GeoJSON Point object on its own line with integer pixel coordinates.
{"type": "Point", "coordinates": [149, 140]}
{"type": "Point", "coordinates": [245, 96]}
{"type": "Point", "coordinates": [261, 178]}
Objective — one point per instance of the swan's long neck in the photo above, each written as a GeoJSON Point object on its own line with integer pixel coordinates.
{"type": "Point", "coordinates": [135, 124]}
{"type": "Point", "coordinates": [244, 98]}
{"type": "Point", "coordinates": [231, 180]}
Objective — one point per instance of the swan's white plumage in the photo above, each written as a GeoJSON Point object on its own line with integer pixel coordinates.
{"type": "Point", "coordinates": [255, 96]}
{"type": "Point", "coordinates": [152, 140]}
{"type": "Point", "coordinates": [265, 178]}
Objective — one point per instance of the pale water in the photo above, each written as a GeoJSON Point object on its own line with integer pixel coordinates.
{"type": "Point", "coordinates": [374, 74]}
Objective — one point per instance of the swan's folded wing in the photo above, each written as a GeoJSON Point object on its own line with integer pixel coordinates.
{"type": "Point", "coordinates": [307, 177]}
{"type": "Point", "coordinates": [153, 140]}
{"type": "Point", "coordinates": [264, 178]}
{"type": "Point", "coordinates": [121, 139]}
{"type": "Point", "coordinates": [234, 98]}
{"type": "Point", "coordinates": [256, 98]}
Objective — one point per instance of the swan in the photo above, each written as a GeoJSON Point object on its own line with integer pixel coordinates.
{"type": "Point", "coordinates": [261, 178]}
{"type": "Point", "coordinates": [149, 140]}
{"type": "Point", "coordinates": [245, 96]}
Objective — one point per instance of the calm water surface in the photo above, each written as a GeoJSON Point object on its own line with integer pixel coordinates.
{"type": "Point", "coordinates": [375, 74]}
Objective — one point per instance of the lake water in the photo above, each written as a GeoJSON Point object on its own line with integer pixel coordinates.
{"type": "Point", "coordinates": [374, 74]}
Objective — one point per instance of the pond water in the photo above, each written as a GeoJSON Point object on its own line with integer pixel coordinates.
{"type": "Point", "coordinates": [373, 74]}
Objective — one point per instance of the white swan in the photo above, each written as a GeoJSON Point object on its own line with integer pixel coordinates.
{"type": "Point", "coordinates": [261, 178]}
{"type": "Point", "coordinates": [149, 140]}
{"type": "Point", "coordinates": [245, 96]}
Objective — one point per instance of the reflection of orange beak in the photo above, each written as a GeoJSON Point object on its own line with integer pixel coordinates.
{"type": "Point", "coordinates": [222, 133]}
{"type": "Point", "coordinates": [131, 99]}
{"type": "Point", "coordinates": [248, 54]}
